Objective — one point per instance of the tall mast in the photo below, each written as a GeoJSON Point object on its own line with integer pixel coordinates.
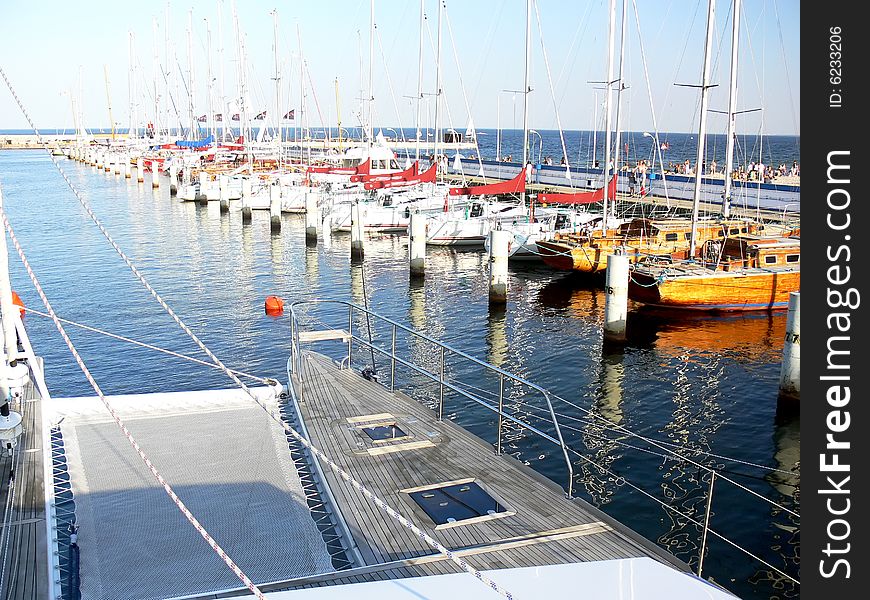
{"type": "Point", "coordinates": [526, 90]}
{"type": "Point", "coordinates": [223, 93]}
{"type": "Point", "coordinates": [156, 129]}
{"type": "Point", "coordinates": [210, 122]}
{"type": "Point", "coordinates": [278, 134]}
{"type": "Point", "coordinates": [608, 109]}
{"type": "Point", "coordinates": [371, 73]}
{"type": "Point", "coordinates": [168, 70]}
{"type": "Point", "coordinates": [10, 337]}
{"type": "Point", "coordinates": [617, 149]}
{"type": "Point", "coordinates": [732, 112]}
{"type": "Point", "coordinates": [301, 95]}
{"type": "Point", "coordinates": [191, 85]}
{"type": "Point", "coordinates": [131, 90]}
{"type": "Point", "coordinates": [109, 101]}
{"type": "Point", "coordinates": [420, 77]}
{"type": "Point", "coordinates": [702, 128]}
{"type": "Point", "coordinates": [438, 82]}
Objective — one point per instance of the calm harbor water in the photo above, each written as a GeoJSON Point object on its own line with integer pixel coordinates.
{"type": "Point", "coordinates": [707, 385]}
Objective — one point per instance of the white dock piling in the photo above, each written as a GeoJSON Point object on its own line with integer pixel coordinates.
{"type": "Point", "coordinates": [101, 158]}
{"type": "Point", "coordinates": [356, 233]}
{"type": "Point", "coordinates": [616, 299]}
{"type": "Point", "coordinates": [173, 178]}
{"type": "Point", "coordinates": [246, 200]}
{"type": "Point", "coordinates": [790, 374]}
{"type": "Point", "coordinates": [125, 166]}
{"type": "Point", "coordinates": [275, 206]}
{"type": "Point", "coordinates": [116, 165]}
{"type": "Point", "coordinates": [311, 218]}
{"type": "Point", "coordinates": [417, 244]}
{"type": "Point", "coordinates": [498, 266]}
{"type": "Point", "coordinates": [155, 175]}
{"type": "Point", "coordinates": [140, 170]}
{"type": "Point", "coordinates": [224, 185]}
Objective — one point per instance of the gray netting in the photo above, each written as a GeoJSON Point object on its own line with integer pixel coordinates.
{"type": "Point", "coordinates": [227, 461]}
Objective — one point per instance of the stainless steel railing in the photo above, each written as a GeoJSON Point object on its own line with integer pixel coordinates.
{"type": "Point", "coordinates": [439, 377]}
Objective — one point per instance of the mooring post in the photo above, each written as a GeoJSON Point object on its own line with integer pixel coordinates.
{"type": "Point", "coordinates": [356, 233]}
{"type": "Point", "coordinates": [616, 298]}
{"type": "Point", "coordinates": [417, 245]}
{"type": "Point", "coordinates": [311, 218]}
{"type": "Point", "coordinates": [246, 200]}
{"type": "Point", "coordinates": [140, 170]}
{"type": "Point", "coordinates": [275, 206]}
{"type": "Point", "coordinates": [498, 265]}
{"type": "Point", "coordinates": [224, 186]}
{"type": "Point", "coordinates": [790, 373]}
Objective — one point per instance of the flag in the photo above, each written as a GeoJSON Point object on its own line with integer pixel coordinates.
{"type": "Point", "coordinates": [219, 117]}
{"type": "Point", "coordinates": [260, 116]}
{"type": "Point", "coordinates": [201, 119]}
{"type": "Point", "coordinates": [236, 117]}
{"type": "Point", "coordinates": [291, 114]}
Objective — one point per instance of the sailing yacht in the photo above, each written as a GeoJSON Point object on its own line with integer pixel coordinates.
{"type": "Point", "coordinates": [744, 272]}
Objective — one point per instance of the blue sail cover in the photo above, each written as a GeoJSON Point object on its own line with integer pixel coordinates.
{"type": "Point", "coordinates": [195, 143]}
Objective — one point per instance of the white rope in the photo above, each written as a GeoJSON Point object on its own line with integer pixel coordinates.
{"type": "Point", "coordinates": [145, 345]}
{"type": "Point", "coordinates": [275, 416]}
{"type": "Point", "coordinates": [170, 492]}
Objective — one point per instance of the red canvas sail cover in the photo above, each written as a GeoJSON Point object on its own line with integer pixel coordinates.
{"type": "Point", "coordinates": [426, 177]}
{"type": "Point", "coordinates": [361, 169]}
{"type": "Point", "coordinates": [411, 171]}
{"type": "Point", "coordinates": [512, 186]}
{"type": "Point", "coordinates": [580, 197]}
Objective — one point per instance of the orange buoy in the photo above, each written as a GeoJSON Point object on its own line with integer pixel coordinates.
{"type": "Point", "coordinates": [16, 299]}
{"type": "Point", "coordinates": [274, 305]}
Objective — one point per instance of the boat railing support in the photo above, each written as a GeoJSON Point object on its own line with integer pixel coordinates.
{"type": "Point", "coordinates": [438, 377]}
{"type": "Point", "coordinates": [706, 522]}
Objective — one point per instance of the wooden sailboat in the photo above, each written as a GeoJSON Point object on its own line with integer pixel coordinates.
{"type": "Point", "coordinates": [744, 273]}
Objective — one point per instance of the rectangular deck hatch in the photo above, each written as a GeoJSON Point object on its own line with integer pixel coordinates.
{"type": "Point", "coordinates": [382, 433]}
{"type": "Point", "coordinates": [458, 502]}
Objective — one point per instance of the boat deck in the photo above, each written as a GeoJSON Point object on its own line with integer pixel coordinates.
{"type": "Point", "coordinates": [24, 567]}
{"type": "Point", "coordinates": [540, 525]}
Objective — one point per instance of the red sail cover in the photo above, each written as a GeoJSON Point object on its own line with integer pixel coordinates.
{"type": "Point", "coordinates": [580, 197]}
{"type": "Point", "coordinates": [361, 169]}
{"type": "Point", "coordinates": [427, 177]}
{"type": "Point", "coordinates": [513, 186]}
{"type": "Point", "coordinates": [411, 171]}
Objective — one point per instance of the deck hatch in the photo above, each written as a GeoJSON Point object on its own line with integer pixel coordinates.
{"type": "Point", "coordinates": [458, 502]}
{"type": "Point", "coordinates": [381, 433]}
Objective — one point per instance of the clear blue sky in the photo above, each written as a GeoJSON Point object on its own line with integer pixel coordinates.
{"type": "Point", "coordinates": [43, 45]}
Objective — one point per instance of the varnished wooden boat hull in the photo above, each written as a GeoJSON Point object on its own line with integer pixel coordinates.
{"type": "Point", "coordinates": [750, 289]}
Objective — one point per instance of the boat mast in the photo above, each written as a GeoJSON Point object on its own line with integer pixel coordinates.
{"type": "Point", "coordinates": [109, 100]}
{"type": "Point", "coordinates": [420, 77]}
{"type": "Point", "coordinates": [617, 149]}
{"type": "Point", "coordinates": [191, 108]}
{"type": "Point", "coordinates": [210, 124]}
{"type": "Point", "coordinates": [156, 129]}
{"type": "Point", "coordinates": [279, 136]}
{"type": "Point", "coordinates": [223, 95]}
{"type": "Point", "coordinates": [526, 91]}
{"type": "Point", "coordinates": [168, 74]}
{"type": "Point", "coordinates": [702, 128]}
{"type": "Point", "coordinates": [131, 90]}
{"type": "Point", "coordinates": [371, 74]}
{"type": "Point", "coordinates": [608, 109]}
{"type": "Point", "coordinates": [10, 336]}
{"type": "Point", "coordinates": [338, 115]}
{"type": "Point", "coordinates": [437, 84]}
{"type": "Point", "coordinates": [732, 112]}
{"type": "Point", "coordinates": [302, 112]}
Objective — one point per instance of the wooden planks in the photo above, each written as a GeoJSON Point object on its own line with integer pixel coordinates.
{"type": "Point", "coordinates": [546, 527]}
{"type": "Point", "coordinates": [25, 572]}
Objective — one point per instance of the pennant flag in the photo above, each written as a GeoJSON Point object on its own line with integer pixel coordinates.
{"type": "Point", "coordinates": [236, 117]}
{"type": "Point", "coordinates": [201, 119]}
{"type": "Point", "coordinates": [260, 116]}
{"type": "Point", "coordinates": [219, 117]}
{"type": "Point", "coordinates": [291, 114]}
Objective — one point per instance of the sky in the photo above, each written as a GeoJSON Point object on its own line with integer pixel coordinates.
{"type": "Point", "coordinates": [59, 52]}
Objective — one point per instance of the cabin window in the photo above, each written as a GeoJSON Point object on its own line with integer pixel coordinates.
{"type": "Point", "coordinates": [381, 433]}
{"type": "Point", "coordinates": [721, 233]}
{"type": "Point", "coordinates": [457, 502]}
{"type": "Point", "coordinates": [770, 260]}
{"type": "Point", "coordinates": [734, 231]}
{"type": "Point", "coordinates": [671, 237]}
{"type": "Point", "coordinates": [476, 210]}
{"type": "Point", "coordinates": [744, 229]}
{"type": "Point", "coordinates": [687, 235]}
{"type": "Point", "coordinates": [792, 258]}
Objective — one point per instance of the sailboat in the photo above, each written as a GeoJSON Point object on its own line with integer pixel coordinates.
{"type": "Point", "coordinates": [587, 251]}
{"type": "Point", "coordinates": [746, 272]}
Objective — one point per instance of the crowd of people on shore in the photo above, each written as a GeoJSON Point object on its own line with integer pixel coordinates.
{"type": "Point", "coordinates": [754, 171]}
